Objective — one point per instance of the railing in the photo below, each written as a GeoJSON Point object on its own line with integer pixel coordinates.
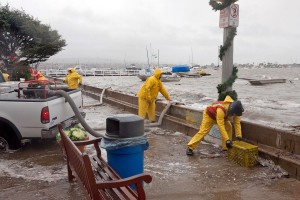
{"type": "Point", "coordinates": [87, 72]}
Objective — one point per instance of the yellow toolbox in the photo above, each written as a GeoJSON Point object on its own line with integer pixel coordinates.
{"type": "Point", "coordinates": [243, 153]}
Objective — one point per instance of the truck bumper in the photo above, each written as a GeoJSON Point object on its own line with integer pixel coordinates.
{"type": "Point", "coordinates": [51, 132]}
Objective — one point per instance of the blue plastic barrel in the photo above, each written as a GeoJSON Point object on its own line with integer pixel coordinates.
{"type": "Point", "coordinates": [127, 161]}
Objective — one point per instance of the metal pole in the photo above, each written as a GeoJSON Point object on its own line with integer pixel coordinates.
{"type": "Point", "coordinates": [158, 58]}
{"type": "Point", "coordinates": [148, 57]}
{"type": "Point", "coordinates": [227, 62]}
{"type": "Point", "coordinates": [218, 56]}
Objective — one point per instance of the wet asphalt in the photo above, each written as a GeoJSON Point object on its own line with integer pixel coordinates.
{"type": "Point", "coordinates": [38, 171]}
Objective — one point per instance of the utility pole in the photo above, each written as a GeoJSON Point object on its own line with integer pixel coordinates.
{"type": "Point", "coordinates": [148, 57]}
{"type": "Point", "coordinates": [158, 58]}
{"type": "Point", "coordinates": [192, 57]}
{"type": "Point", "coordinates": [218, 56]}
{"type": "Point", "coordinates": [227, 62]}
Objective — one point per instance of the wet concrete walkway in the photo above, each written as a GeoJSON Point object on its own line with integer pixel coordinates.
{"type": "Point", "coordinates": [38, 171]}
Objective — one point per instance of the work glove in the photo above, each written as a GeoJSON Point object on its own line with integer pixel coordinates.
{"type": "Point", "coordinates": [228, 144]}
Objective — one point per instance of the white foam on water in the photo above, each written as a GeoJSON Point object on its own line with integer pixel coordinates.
{"type": "Point", "coordinates": [276, 102]}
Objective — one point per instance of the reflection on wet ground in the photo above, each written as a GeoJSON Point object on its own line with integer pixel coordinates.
{"type": "Point", "coordinates": [208, 174]}
{"type": "Point", "coordinates": [38, 171]}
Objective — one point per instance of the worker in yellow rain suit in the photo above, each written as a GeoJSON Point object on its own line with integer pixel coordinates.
{"type": "Point", "coordinates": [41, 77]}
{"type": "Point", "coordinates": [73, 78]}
{"type": "Point", "coordinates": [5, 76]}
{"type": "Point", "coordinates": [220, 113]}
{"type": "Point", "coordinates": [148, 93]}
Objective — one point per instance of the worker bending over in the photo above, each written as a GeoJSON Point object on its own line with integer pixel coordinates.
{"type": "Point", "coordinates": [220, 113]}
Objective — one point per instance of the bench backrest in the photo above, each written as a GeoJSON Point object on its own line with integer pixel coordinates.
{"type": "Point", "coordinates": [80, 163]}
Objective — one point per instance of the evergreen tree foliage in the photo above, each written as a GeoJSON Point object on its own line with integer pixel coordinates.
{"type": "Point", "coordinates": [25, 39]}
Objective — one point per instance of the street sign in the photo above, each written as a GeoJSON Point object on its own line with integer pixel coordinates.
{"type": "Point", "coordinates": [229, 16]}
{"type": "Point", "coordinates": [234, 15]}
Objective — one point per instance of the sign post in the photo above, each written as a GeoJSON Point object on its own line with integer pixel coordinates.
{"type": "Point", "coordinates": [229, 18]}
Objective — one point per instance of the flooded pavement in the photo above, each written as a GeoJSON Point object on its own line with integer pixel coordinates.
{"type": "Point", "coordinates": [209, 174]}
{"type": "Point", "coordinates": [38, 170]}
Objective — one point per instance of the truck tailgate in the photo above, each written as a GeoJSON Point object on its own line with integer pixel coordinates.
{"type": "Point", "coordinates": [60, 110]}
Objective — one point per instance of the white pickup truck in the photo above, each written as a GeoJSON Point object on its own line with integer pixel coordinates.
{"type": "Point", "coordinates": [28, 112]}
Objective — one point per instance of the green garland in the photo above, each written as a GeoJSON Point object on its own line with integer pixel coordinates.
{"type": "Point", "coordinates": [218, 5]}
{"type": "Point", "coordinates": [222, 88]}
{"type": "Point", "coordinates": [227, 43]}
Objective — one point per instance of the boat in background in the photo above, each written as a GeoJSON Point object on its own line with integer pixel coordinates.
{"type": "Point", "coordinates": [266, 81]}
{"type": "Point", "coordinates": [144, 74]}
{"type": "Point", "coordinates": [193, 74]}
{"type": "Point", "coordinates": [170, 78]}
{"type": "Point", "coordinates": [166, 76]}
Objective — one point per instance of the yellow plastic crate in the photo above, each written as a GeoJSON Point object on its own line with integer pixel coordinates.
{"type": "Point", "coordinates": [243, 153]}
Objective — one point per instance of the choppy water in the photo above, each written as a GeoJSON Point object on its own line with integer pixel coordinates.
{"type": "Point", "coordinates": [38, 170]}
{"type": "Point", "coordinates": [275, 105]}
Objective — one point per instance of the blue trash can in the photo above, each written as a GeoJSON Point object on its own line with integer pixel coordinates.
{"type": "Point", "coordinates": [127, 161]}
{"type": "Point", "coordinates": [125, 144]}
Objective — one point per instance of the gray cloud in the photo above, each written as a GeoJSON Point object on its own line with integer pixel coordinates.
{"type": "Point", "coordinates": [117, 29]}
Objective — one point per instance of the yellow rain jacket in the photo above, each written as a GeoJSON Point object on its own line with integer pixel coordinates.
{"type": "Point", "coordinates": [152, 86]}
{"type": "Point", "coordinates": [73, 78]}
{"type": "Point", "coordinates": [6, 76]}
{"type": "Point", "coordinates": [223, 122]}
{"type": "Point", "coordinates": [148, 93]}
{"type": "Point", "coordinates": [41, 77]}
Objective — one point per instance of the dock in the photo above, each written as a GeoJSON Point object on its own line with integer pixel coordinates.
{"type": "Point", "coordinates": [266, 81]}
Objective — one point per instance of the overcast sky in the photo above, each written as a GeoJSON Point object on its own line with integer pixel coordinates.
{"type": "Point", "coordinates": [182, 30]}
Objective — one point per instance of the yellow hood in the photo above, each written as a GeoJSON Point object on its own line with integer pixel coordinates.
{"type": "Point", "coordinates": [157, 73]}
{"type": "Point", "coordinates": [71, 70]}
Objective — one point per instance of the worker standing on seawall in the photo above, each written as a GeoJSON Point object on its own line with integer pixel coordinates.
{"type": "Point", "coordinates": [73, 79]}
{"type": "Point", "coordinates": [220, 113]}
{"type": "Point", "coordinates": [148, 93]}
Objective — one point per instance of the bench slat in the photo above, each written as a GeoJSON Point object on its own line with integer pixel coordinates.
{"type": "Point", "coordinates": [105, 172]}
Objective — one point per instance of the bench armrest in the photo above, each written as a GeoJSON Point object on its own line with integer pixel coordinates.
{"type": "Point", "coordinates": [95, 142]}
{"type": "Point", "coordinates": [87, 142]}
{"type": "Point", "coordinates": [137, 180]}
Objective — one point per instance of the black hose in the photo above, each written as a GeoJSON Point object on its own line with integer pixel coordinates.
{"type": "Point", "coordinates": [76, 111]}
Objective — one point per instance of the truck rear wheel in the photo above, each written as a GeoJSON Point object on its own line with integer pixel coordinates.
{"type": "Point", "coordinates": [3, 144]}
{"type": "Point", "coordinates": [8, 140]}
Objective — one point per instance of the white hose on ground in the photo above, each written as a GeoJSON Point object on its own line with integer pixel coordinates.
{"type": "Point", "coordinates": [76, 111]}
{"type": "Point", "coordinates": [100, 100]}
{"type": "Point", "coordinates": [159, 122]}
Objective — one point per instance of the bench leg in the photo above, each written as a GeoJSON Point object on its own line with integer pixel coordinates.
{"type": "Point", "coordinates": [70, 175]}
{"type": "Point", "coordinates": [140, 191]}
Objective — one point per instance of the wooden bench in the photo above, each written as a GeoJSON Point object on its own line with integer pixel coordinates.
{"type": "Point", "coordinates": [98, 179]}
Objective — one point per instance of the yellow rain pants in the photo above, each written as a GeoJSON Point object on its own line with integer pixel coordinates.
{"type": "Point", "coordinates": [205, 127]}
{"type": "Point", "coordinates": [147, 108]}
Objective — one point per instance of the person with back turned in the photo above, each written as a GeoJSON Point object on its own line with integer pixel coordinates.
{"type": "Point", "coordinates": [220, 113]}
{"type": "Point", "coordinates": [148, 93]}
{"type": "Point", "coordinates": [73, 78]}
